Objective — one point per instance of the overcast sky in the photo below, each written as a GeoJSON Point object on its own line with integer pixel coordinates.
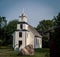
{"type": "Point", "coordinates": [36, 10]}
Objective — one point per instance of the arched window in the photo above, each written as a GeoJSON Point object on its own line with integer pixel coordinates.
{"type": "Point", "coordinates": [20, 34]}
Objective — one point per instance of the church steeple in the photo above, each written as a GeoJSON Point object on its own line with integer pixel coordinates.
{"type": "Point", "coordinates": [22, 22]}
{"type": "Point", "coordinates": [23, 17]}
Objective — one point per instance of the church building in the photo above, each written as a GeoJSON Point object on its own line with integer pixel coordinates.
{"type": "Point", "coordinates": [25, 35]}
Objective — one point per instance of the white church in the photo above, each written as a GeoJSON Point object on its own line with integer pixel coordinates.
{"type": "Point", "coordinates": [25, 35]}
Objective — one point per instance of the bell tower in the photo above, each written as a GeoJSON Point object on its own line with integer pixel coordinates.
{"type": "Point", "coordinates": [22, 22]}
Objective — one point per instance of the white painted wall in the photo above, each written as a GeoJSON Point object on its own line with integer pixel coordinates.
{"type": "Point", "coordinates": [30, 39]}
{"type": "Point", "coordinates": [24, 36]}
{"type": "Point", "coordinates": [16, 40]}
{"type": "Point", "coordinates": [25, 26]}
{"type": "Point", "coordinates": [40, 42]}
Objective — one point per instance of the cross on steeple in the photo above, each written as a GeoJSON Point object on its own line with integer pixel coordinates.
{"type": "Point", "coordinates": [23, 14]}
{"type": "Point", "coordinates": [23, 17]}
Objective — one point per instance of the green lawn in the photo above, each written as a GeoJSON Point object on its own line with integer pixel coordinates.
{"type": "Point", "coordinates": [9, 52]}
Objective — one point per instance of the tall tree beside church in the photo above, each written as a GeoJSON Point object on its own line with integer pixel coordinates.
{"type": "Point", "coordinates": [6, 30]}
{"type": "Point", "coordinates": [45, 25]}
{"type": "Point", "coordinates": [11, 27]}
{"type": "Point", "coordinates": [3, 24]}
{"type": "Point", "coordinates": [55, 42]}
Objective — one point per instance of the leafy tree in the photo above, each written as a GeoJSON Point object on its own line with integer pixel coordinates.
{"type": "Point", "coordinates": [11, 27]}
{"type": "Point", "coordinates": [55, 42]}
{"type": "Point", "coordinates": [6, 30]}
{"type": "Point", "coordinates": [3, 24]}
{"type": "Point", "coordinates": [45, 25]}
{"type": "Point", "coordinates": [57, 20]}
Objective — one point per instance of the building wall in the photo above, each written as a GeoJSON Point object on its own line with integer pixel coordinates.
{"type": "Point", "coordinates": [30, 38]}
{"type": "Point", "coordinates": [17, 39]}
{"type": "Point", "coordinates": [40, 42]}
{"type": "Point", "coordinates": [25, 26]}
{"type": "Point", "coordinates": [27, 38]}
{"type": "Point", "coordinates": [24, 37]}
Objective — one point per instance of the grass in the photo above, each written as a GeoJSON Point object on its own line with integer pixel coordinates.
{"type": "Point", "coordinates": [9, 52]}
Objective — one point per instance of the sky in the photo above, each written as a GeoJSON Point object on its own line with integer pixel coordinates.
{"type": "Point", "coordinates": [35, 10]}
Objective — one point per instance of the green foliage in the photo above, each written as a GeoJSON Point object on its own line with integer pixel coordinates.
{"type": "Point", "coordinates": [57, 19]}
{"type": "Point", "coordinates": [3, 22]}
{"type": "Point", "coordinates": [45, 25]}
{"type": "Point", "coordinates": [6, 31]}
{"type": "Point", "coordinates": [12, 26]}
{"type": "Point", "coordinates": [55, 41]}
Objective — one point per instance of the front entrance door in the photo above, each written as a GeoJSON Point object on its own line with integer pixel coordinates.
{"type": "Point", "coordinates": [20, 43]}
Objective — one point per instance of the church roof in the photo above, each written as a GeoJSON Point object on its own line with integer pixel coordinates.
{"type": "Point", "coordinates": [34, 31]}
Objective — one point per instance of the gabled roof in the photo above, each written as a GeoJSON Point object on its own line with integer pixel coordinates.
{"type": "Point", "coordinates": [34, 31]}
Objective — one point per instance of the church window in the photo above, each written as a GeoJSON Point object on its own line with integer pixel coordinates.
{"type": "Point", "coordinates": [21, 26]}
{"type": "Point", "coordinates": [37, 42]}
{"type": "Point", "coordinates": [20, 34]}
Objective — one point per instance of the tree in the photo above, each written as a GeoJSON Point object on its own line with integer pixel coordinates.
{"type": "Point", "coordinates": [55, 42]}
{"type": "Point", "coordinates": [6, 31]}
{"type": "Point", "coordinates": [45, 25]}
{"type": "Point", "coordinates": [11, 27]}
{"type": "Point", "coordinates": [3, 24]}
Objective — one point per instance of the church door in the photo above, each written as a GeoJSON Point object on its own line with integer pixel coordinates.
{"type": "Point", "coordinates": [20, 43]}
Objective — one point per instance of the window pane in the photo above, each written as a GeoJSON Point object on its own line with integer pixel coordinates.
{"type": "Point", "coordinates": [20, 34]}
{"type": "Point", "coordinates": [37, 42]}
{"type": "Point", "coordinates": [21, 26]}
